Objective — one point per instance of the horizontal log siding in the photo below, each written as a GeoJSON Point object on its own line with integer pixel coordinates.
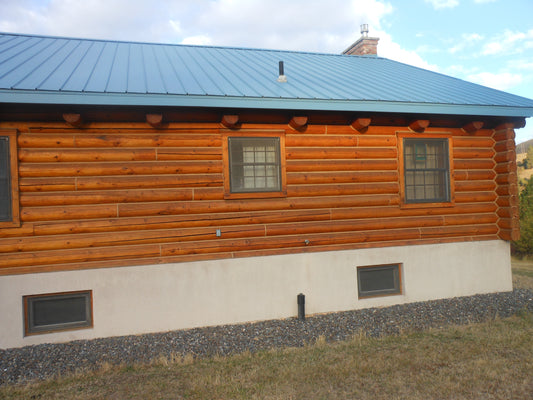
{"type": "Point", "coordinates": [126, 194]}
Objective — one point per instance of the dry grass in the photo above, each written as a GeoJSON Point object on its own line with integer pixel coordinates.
{"type": "Point", "coordinates": [493, 360]}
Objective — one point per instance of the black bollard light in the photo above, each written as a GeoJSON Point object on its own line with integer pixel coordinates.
{"type": "Point", "coordinates": [301, 307]}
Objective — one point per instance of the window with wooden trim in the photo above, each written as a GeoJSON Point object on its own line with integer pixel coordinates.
{"type": "Point", "coordinates": [254, 166]}
{"type": "Point", "coordinates": [379, 280]}
{"type": "Point", "coordinates": [9, 204]}
{"type": "Point", "coordinates": [53, 312]}
{"type": "Point", "coordinates": [426, 170]}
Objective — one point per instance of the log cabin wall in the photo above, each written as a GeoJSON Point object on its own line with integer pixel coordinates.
{"type": "Point", "coordinates": [107, 194]}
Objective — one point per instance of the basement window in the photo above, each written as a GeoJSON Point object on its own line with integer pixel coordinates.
{"type": "Point", "coordinates": [254, 166]}
{"type": "Point", "coordinates": [379, 280]}
{"type": "Point", "coordinates": [53, 312]}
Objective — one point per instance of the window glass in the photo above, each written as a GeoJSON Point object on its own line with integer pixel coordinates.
{"type": "Point", "coordinates": [55, 312]}
{"type": "Point", "coordinates": [5, 180]}
{"type": "Point", "coordinates": [426, 170]}
{"type": "Point", "coordinates": [378, 280]}
{"type": "Point", "coordinates": [254, 164]}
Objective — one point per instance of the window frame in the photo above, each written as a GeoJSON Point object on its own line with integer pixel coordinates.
{"type": "Point", "coordinates": [398, 278]}
{"type": "Point", "coordinates": [228, 194]}
{"type": "Point", "coordinates": [405, 203]}
{"type": "Point", "coordinates": [14, 220]}
{"type": "Point", "coordinates": [30, 329]}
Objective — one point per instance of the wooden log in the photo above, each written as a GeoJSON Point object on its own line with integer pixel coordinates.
{"type": "Point", "coordinates": [509, 223]}
{"type": "Point", "coordinates": [320, 141]}
{"type": "Point", "coordinates": [298, 122]}
{"type": "Point", "coordinates": [47, 184]}
{"type": "Point", "coordinates": [148, 140]}
{"type": "Point", "coordinates": [340, 153]}
{"type": "Point", "coordinates": [341, 165]}
{"type": "Point", "coordinates": [419, 125]}
{"type": "Point", "coordinates": [122, 168]}
{"type": "Point", "coordinates": [508, 201]}
{"type": "Point", "coordinates": [83, 155]}
{"type": "Point", "coordinates": [188, 153]}
{"type": "Point", "coordinates": [390, 212]}
{"type": "Point", "coordinates": [211, 246]}
{"type": "Point", "coordinates": [506, 190]}
{"type": "Point", "coordinates": [361, 124]}
{"type": "Point", "coordinates": [103, 240]}
{"type": "Point", "coordinates": [34, 259]}
{"type": "Point", "coordinates": [473, 127]}
{"type": "Point", "coordinates": [104, 197]}
{"type": "Point", "coordinates": [473, 197]}
{"type": "Point", "coordinates": [198, 207]}
{"type": "Point", "coordinates": [509, 234]}
{"type": "Point", "coordinates": [505, 145]}
{"type": "Point", "coordinates": [304, 228]}
{"type": "Point", "coordinates": [504, 168]}
{"type": "Point", "coordinates": [299, 178]}
{"type": "Point", "coordinates": [376, 141]}
{"type": "Point", "coordinates": [28, 214]}
{"type": "Point", "coordinates": [47, 140]}
{"type": "Point", "coordinates": [74, 120]}
{"type": "Point", "coordinates": [462, 230]}
{"type": "Point", "coordinates": [474, 186]}
{"type": "Point", "coordinates": [230, 121]}
{"type": "Point", "coordinates": [506, 156]}
{"type": "Point", "coordinates": [509, 178]}
{"type": "Point", "coordinates": [155, 120]}
{"type": "Point", "coordinates": [147, 181]}
{"type": "Point", "coordinates": [208, 193]}
{"type": "Point", "coordinates": [173, 222]}
{"type": "Point", "coordinates": [343, 189]}
{"type": "Point", "coordinates": [473, 141]}
{"type": "Point", "coordinates": [473, 164]}
{"type": "Point", "coordinates": [472, 153]}
{"type": "Point", "coordinates": [472, 219]}
{"type": "Point", "coordinates": [465, 175]}
{"type": "Point", "coordinates": [508, 212]}
{"type": "Point", "coordinates": [504, 132]}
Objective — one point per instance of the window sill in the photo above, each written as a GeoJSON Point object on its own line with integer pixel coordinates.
{"type": "Point", "coordinates": [254, 195]}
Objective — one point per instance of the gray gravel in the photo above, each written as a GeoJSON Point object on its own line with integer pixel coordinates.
{"type": "Point", "coordinates": [43, 361]}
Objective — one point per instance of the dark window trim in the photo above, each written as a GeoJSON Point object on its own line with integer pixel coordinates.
{"type": "Point", "coordinates": [228, 193]}
{"type": "Point", "coordinates": [450, 201]}
{"type": "Point", "coordinates": [31, 329]}
{"type": "Point", "coordinates": [14, 219]}
{"type": "Point", "coordinates": [396, 290]}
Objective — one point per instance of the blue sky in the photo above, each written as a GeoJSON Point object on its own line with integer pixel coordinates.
{"type": "Point", "coordinates": [489, 42]}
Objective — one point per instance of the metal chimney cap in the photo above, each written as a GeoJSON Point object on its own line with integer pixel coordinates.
{"type": "Point", "coordinates": [364, 30]}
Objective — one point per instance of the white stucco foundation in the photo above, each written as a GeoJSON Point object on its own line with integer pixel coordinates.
{"type": "Point", "coordinates": [154, 298]}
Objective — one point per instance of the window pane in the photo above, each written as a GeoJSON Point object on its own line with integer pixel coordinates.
{"type": "Point", "coordinates": [426, 170]}
{"type": "Point", "coordinates": [254, 164]}
{"type": "Point", "coordinates": [5, 180]}
{"type": "Point", "coordinates": [378, 280]}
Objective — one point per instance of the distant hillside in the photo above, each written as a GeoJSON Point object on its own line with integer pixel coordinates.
{"type": "Point", "coordinates": [522, 147]}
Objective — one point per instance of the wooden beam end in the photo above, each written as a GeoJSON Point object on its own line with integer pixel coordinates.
{"type": "Point", "coordinates": [75, 120]}
{"type": "Point", "coordinates": [361, 124]}
{"type": "Point", "coordinates": [419, 125]}
{"type": "Point", "coordinates": [155, 120]}
{"type": "Point", "coordinates": [473, 127]}
{"type": "Point", "coordinates": [230, 121]}
{"type": "Point", "coordinates": [298, 122]}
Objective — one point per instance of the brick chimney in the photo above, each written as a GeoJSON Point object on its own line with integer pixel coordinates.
{"type": "Point", "coordinates": [365, 46]}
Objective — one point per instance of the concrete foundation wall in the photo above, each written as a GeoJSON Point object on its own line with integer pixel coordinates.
{"type": "Point", "coordinates": [154, 298]}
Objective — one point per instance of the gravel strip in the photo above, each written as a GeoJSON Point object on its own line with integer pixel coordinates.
{"type": "Point", "coordinates": [44, 361]}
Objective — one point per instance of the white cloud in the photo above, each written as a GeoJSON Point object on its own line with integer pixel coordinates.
{"type": "Point", "coordinates": [201, 40]}
{"type": "Point", "coordinates": [467, 40]}
{"type": "Point", "coordinates": [389, 49]}
{"type": "Point", "coordinates": [484, 1]}
{"type": "Point", "coordinates": [440, 4]}
{"type": "Point", "coordinates": [508, 42]}
{"type": "Point", "coordinates": [501, 81]}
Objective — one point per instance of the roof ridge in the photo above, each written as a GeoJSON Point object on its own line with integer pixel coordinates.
{"type": "Point", "coordinates": [30, 35]}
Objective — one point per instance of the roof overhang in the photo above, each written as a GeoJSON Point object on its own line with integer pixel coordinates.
{"type": "Point", "coordinates": [171, 100]}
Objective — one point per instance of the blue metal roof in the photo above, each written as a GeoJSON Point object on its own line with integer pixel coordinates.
{"type": "Point", "coordinates": [53, 70]}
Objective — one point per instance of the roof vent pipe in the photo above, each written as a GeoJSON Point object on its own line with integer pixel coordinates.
{"type": "Point", "coordinates": [282, 77]}
{"type": "Point", "coordinates": [364, 30]}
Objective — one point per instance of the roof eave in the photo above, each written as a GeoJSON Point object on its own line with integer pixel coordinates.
{"type": "Point", "coordinates": [171, 100]}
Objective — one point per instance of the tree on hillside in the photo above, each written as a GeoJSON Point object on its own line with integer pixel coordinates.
{"type": "Point", "coordinates": [524, 246]}
{"type": "Point", "coordinates": [528, 161]}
